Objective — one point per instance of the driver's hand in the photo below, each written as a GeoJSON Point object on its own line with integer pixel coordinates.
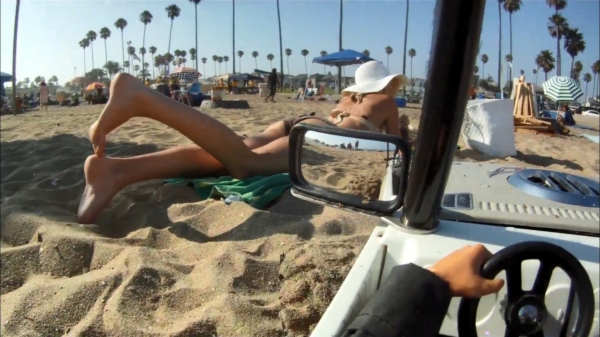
{"type": "Point", "coordinates": [461, 271]}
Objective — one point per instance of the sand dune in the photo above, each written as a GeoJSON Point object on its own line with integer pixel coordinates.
{"type": "Point", "coordinates": [162, 262]}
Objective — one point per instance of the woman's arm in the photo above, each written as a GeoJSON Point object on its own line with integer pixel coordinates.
{"type": "Point", "coordinates": [392, 123]}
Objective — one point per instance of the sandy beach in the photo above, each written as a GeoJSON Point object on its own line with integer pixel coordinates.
{"type": "Point", "coordinates": [163, 262]}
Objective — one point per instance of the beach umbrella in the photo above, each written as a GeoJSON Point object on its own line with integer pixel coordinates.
{"type": "Point", "coordinates": [4, 77]}
{"type": "Point", "coordinates": [94, 86]}
{"type": "Point", "coordinates": [185, 73]}
{"type": "Point", "coordinates": [562, 89]}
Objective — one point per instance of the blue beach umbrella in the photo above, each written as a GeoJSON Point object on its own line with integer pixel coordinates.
{"type": "Point", "coordinates": [4, 77]}
{"type": "Point", "coordinates": [562, 89]}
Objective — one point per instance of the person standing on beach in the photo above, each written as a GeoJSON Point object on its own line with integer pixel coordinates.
{"type": "Point", "coordinates": [44, 94]}
{"type": "Point", "coordinates": [272, 81]}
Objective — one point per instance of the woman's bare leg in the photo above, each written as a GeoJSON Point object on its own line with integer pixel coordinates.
{"type": "Point", "coordinates": [105, 177]}
{"type": "Point", "coordinates": [130, 98]}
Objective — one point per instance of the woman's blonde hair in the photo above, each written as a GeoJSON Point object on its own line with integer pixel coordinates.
{"type": "Point", "coordinates": [392, 87]}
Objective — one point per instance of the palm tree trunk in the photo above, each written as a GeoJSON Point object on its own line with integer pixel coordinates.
{"type": "Point", "coordinates": [586, 96]}
{"type": "Point", "coordinates": [510, 78]}
{"type": "Point", "coordinates": [14, 60]}
{"type": "Point", "coordinates": [169, 49]}
{"type": "Point", "coordinates": [233, 39]}
{"type": "Point", "coordinates": [558, 72]}
{"type": "Point", "coordinates": [305, 67]}
{"type": "Point", "coordinates": [405, 42]}
{"type": "Point", "coordinates": [536, 75]}
{"type": "Point", "coordinates": [388, 61]}
{"type": "Point", "coordinates": [545, 76]}
{"type": "Point", "coordinates": [84, 66]}
{"type": "Point", "coordinates": [255, 64]}
{"type": "Point", "coordinates": [281, 49]}
{"type": "Point", "coordinates": [123, 47]}
{"type": "Point", "coordinates": [92, 49]}
{"type": "Point", "coordinates": [240, 64]}
{"type": "Point", "coordinates": [226, 67]}
{"type": "Point", "coordinates": [215, 68]}
{"type": "Point", "coordinates": [106, 58]}
{"type": "Point", "coordinates": [339, 77]}
{"type": "Point", "coordinates": [572, 64]}
{"type": "Point", "coordinates": [411, 75]}
{"type": "Point", "coordinates": [196, 14]}
{"type": "Point", "coordinates": [499, 45]}
{"type": "Point", "coordinates": [288, 65]}
{"type": "Point", "coordinates": [144, 54]}
{"type": "Point", "coordinates": [483, 70]}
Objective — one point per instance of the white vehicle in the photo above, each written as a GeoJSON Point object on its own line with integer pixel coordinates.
{"type": "Point", "coordinates": [542, 226]}
{"type": "Point", "coordinates": [590, 113]}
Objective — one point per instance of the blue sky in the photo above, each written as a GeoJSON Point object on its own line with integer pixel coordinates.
{"type": "Point", "coordinates": [49, 32]}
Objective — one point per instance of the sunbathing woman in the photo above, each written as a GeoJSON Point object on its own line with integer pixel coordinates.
{"type": "Point", "coordinates": [369, 105]}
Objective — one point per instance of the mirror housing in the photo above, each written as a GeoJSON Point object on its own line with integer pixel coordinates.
{"type": "Point", "coordinates": [306, 190]}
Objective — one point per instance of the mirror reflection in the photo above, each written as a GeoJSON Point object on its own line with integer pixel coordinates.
{"type": "Point", "coordinates": [346, 165]}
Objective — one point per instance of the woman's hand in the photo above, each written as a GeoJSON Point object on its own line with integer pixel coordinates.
{"type": "Point", "coordinates": [461, 271]}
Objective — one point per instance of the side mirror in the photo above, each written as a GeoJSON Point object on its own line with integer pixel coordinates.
{"type": "Point", "coordinates": [359, 170]}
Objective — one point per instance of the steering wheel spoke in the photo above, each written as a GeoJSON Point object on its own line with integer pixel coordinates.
{"type": "Point", "coordinates": [514, 282]}
{"type": "Point", "coordinates": [542, 279]}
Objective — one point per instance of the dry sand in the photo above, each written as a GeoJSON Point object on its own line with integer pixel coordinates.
{"type": "Point", "coordinates": [162, 262]}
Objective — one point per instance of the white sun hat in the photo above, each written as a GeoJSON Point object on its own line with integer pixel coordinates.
{"type": "Point", "coordinates": [373, 76]}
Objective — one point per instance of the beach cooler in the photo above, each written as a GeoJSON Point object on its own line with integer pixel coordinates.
{"type": "Point", "coordinates": [216, 95]}
{"type": "Point", "coordinates": [262, 90]}
{"type": "Point", "coordinates": [400, 102]}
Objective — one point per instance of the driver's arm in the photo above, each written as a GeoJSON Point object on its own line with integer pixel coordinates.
{"type": "Point", "coordinates": [413, 301]}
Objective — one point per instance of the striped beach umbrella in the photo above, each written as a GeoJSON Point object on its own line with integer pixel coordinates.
{"type": "Point", "coordinates": [562, 89]}
{"type": "Point", "coordinates": [185, 73]}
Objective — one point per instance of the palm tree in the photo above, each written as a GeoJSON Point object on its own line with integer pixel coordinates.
{"type": "Point", "coordinates": [195, 2]}
{"type": "Point", "coordinates": [574, 44]}
{"type": "Point", "coordinates": [84, 44]}
{"type": "Point", "coordinates": [388, 51]}
{"type": "Point", "coordinates": [255, 55]}
{"type": "Point", "coordinates": [152, 51]}
{"type": "Point", "coordinates": [511, 6]}
{"type": "Point", "coordinates": [535, 72]}
{"type": "Point", "coordinates": [405, 43]}
{"type": "Point", "coordinates": [53, 80]}
{"type": "Point", "coordinates": [131, 52]}
{"type": "Point", "coordinates": [194, 57]}
{"type": "Point", "coordinates": [220, 60]}
{"type": "Point", "coordinates": [288, 52]}
{"type": "Point", "coordinates": [233, 37]}
{"type": "Point", "coordinates": [91, 36]}
{"type": "Point", "coordinates": [557, 26]}
{"type": "Point", "coordinates": [587, 77]}
{"type": "Point", "coordinates": [281, 49]}
{"type": "Point", "coordinates": [546, 62]}
{"type": "Point", "coordinates": [240, 54]}
{"type": "Point", "coordinates": [105, 34]}
{"type": "Point", "coordinates": [508, 58]}
{"type": "Point", "coordinates": [145, 18]}
{"type": "Point", "coordinates": [367, 53]}
{"type": "Point", "coordinates": [304, 53]}
{"type": "Point", "coordinates": [226, 59]}
{"type": "Point", "coordinates": [215, 58]}
{"type": "Point", "coordinates": [127, 65]}
{"type": "Point", "coordinates": [484, 60]}
{"type": "Point", "coordinates": [411, 53]}
{"type": "Point", "coordinates": [121, 24]}
{"type": "Point", "coordinates": [270, 57]}
{"type": "Point", "coordinates": [143, 52]}
{"type": "Point", "coordinates": [14, 60]}
{"type": "Point", "coordinates": [499, 40]}
{"type": "Point", "coordinates": [172, 12]}
{"type": "Point", "coordinates": [204, 64]}
{"type": "Point", "coordinates": [339, 77]}
{"type": "Point", "coordinates": [323, 53]}
{"type": "Point", "coordinates": [596, 71]}
{"type": "Point", "coordinates": [577, 68]}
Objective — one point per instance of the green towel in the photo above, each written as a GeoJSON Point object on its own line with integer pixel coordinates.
{"type": "Point", "coordinates": [257, 191]}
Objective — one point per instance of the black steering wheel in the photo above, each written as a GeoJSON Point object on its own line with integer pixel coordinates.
{"type": "Point", "coordinates": [525, 311]}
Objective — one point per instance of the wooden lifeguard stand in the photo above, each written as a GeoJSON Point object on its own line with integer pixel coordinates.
{"type": "Point", "coordinates": [525, 111]}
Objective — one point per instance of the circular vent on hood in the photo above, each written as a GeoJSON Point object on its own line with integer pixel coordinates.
{"type": "Point", "coordinates": [557, 186]}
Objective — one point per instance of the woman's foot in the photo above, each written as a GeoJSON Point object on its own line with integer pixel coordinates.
{"type": "Point", "coordinates": [123, 105]}
{"type": "Point", "coordinates": [101, 184]}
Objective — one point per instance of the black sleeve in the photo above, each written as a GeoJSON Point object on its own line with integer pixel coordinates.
{"type": "Point", "coordinates": [411, 302]}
